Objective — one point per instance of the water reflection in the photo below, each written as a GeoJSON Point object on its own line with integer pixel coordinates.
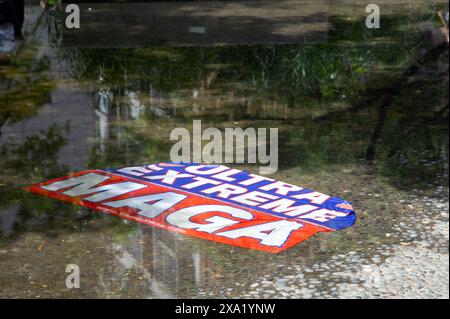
{"type": "Point", "coordinates": [363, 116]}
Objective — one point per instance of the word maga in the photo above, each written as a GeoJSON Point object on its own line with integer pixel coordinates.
{"type": "Point", "coordinates": [212, 202]}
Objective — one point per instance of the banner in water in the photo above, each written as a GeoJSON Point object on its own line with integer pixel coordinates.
{"type": "Point", "coordinates": [212, 202]}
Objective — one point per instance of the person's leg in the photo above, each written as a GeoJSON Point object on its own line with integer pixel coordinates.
{"type": "Point", "coordinates": [20, 7]}
{"type": "Point", "coordinates": [7, 38]}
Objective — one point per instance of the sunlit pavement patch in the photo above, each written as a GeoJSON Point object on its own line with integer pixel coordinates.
{"type": "Point", "coordinates": [415, 267]}
{"type": "Point", "coordinates": [212, 202]}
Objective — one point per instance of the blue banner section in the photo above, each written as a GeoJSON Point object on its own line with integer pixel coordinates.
{"type": "Point", "coordinates": [247, 190]}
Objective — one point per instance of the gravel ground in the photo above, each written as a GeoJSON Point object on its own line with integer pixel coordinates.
{"type": "Point", "coordinates": [416, 267]}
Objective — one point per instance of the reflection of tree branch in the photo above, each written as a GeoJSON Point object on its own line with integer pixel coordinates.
{"type": "Point", "coordinates": [444, 109]}
{"type": "Point", "coordinates": [7, 114]}
{"type": "Point", "coordinates": [385, 95]}
{"type": "Point", "coordinates": [382, 112]}
{"type": "Point", "coordinates": [388, 96]}
{"type": "Point", "coordinates": [3, 120]}
{"type": "Point", "coordinates": [382, 93]}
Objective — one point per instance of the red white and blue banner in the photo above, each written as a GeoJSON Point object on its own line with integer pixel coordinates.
{"type": "Point", "coordinates": [212, 202]}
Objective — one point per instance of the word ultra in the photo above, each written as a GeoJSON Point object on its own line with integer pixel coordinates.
{"type": "Point", "coordinates": [212, 202]}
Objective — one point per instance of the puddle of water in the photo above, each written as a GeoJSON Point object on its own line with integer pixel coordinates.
{"type": "Point", "coordinates": [358, 117]}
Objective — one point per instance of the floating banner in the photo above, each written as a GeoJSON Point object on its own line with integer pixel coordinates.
{"type": "Point", "coordinates": [212, 202]}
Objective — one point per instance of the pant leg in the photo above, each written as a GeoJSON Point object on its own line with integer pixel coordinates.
{"type": "Point", "coordinates": [7, 38]}
{"type": "Point", "coordinates": [20, 12]}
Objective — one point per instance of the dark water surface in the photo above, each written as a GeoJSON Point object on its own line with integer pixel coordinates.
{"type": "Point", "coordinates": [363, 116]}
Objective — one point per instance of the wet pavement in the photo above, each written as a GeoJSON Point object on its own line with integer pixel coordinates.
{"type": "Point", "coordinates": [363, 116]}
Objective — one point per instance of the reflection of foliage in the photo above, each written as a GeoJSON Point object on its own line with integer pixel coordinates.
{"type": "Point", "coordinates": [24, 85]}
{"type": "Point", "coordinates": [36, 213]}
{"type": "Point", "coordinates": [291, 70]}
{"type": "Point", "coordinates": [37, 157]}
{"type": "Point", "coordinates": [308, 146]}
{"type": "Point", "coordinates": [337, 69]}
{"type": "Point", "coordinates": [412, 148]}
{"type": "Point", "coordinates": [136, 145]}
{"type": "Point", "coordinates": [24, 88]}
{"type": "Point", "coordinates": [414, 142]}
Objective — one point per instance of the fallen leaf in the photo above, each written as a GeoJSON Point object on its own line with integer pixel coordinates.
{"type": "Point", "coordinates": [41, 245]}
